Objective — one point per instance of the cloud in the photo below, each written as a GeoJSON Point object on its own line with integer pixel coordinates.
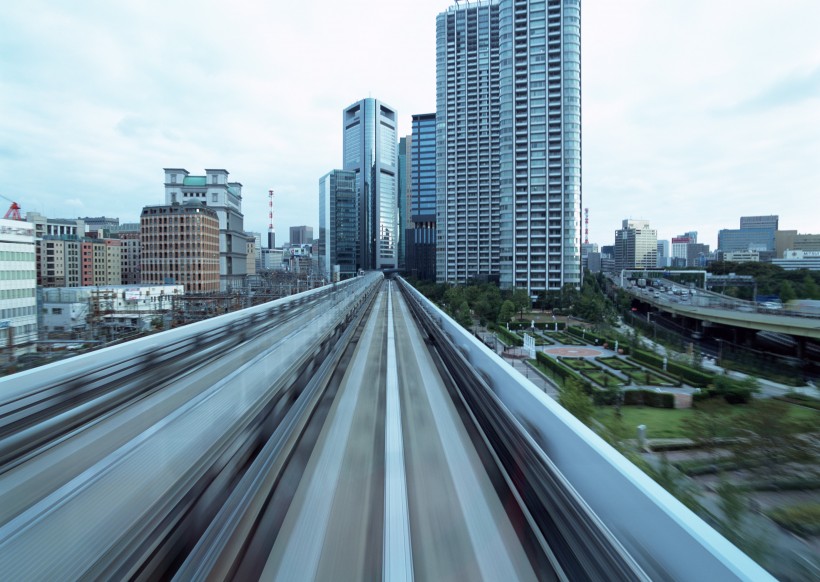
{"type": "Point", "coordinates": [789, 91]}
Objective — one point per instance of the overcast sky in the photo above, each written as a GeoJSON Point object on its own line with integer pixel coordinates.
{"type": "Point", "coordinates": [695, 112]}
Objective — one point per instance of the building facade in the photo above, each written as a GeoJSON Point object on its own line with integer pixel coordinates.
{"type": "Point", "coordinates": [509, 143]}
{"type": "Point", "coordinates": [636, 246]}
{"type": "Point", "coordinates": [338, 225]}
{"type": "Point", "coordinates": [301, 235]}
{"type": "Point", "coordinates": [180, 245]}
{"type": "Point", "coordinates": [468, 222]}
{"type": "Point", "coordinates": [540, 137]}
{"type": "Point", "coordinates": [422, 236]}
{"type": "Point", "coordinates": [663, 254]}
{"type": "Point", "coordinates": [370, 141]}
{"type": "Point", "coordinates": [18, 284]}
{"type": "Point", "coordinates": [225, 198]}
{"type": "Point", "coordinates": [403, 189]}
{"type": "Point", "coordinates": [129, 237]}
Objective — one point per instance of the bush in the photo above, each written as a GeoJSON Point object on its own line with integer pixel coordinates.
{"type": "Point", "coordinates": [691, 376]}
{"type": "Point", "coordinates": [734, 391]}
{"type": "Point", "coordinates": [803, 518]}
{"type": "Point", "coordinates": [649, 398]}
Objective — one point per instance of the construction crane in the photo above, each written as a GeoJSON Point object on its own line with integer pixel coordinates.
{"type": "Point", "coordinates": [13, 213]}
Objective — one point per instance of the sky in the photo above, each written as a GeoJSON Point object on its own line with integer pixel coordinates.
{"type": "Point", "coordinates": [694, 112]}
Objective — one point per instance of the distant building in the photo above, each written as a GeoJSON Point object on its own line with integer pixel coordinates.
{"type": "Point", "coordinates": [257, 249]}
{"type": "Point", "coordinates": [225, 198]}
{"type": "Point", "coordinates": [636, 246]}
{"type": "Point", "coordinates": [756, 233]}
{"type": "Point", "coordinates": [129, 236]}
{"type": "Point", "coordinates": [741, 257]}
{"type": "Point", "coordinates": [301, 235]}
{"type": "Point", "coordinates": [93, 223]}
{"type": "Point", "coordinates": [588, 249]}
{"type": "Point", "coordinates": [794, 260]}
{"type": "Point", "coordinates": [663, 253]}
{"type": "Point", "coordinates": [73, 310]}
{"type": "Point", "coordinates": [403, 193]}
{"type": "Point", "coordinates": [338, 225]}
{"type": "Point", "coordinates": [180, 245]}
{"type": "Point", "coordinates": [421, 239]}
{"type": "Point", "coordinates": [370, 142]}
{"type": "Point", "coordinates": [272, 259]}
{"type": "Point", "coordinates": [786, 240]}
{"type": "Point", "coordinates": [18, 283]}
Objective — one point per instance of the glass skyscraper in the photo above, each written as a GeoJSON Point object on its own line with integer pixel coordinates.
{"type": "Point", "coordinates": [370, 141]}
{"type": "Point", "coordinates": [422, 245]}
{"type": "Point", "coordinates": [338, 225]}
{"type": "Point", "coordinates": [509, 142]}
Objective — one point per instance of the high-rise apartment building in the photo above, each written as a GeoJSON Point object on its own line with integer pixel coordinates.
{"type": "Point", "coordinates": [180, 245]}
{"type": "Point", "coordinates": [301, 235]}
{"type": "Point", "coordinates": [467, 147]}
{"type": "Point", "coordinates": [338, 225]}
{"type": "Point", "coordinates": [509, 143]}
{"type": "Point", "coordinates": [225, 198]}
{"type": "Point", "coordinates": [636, 246]}
{"type": "Point", "coordinates": [370, 141]}
{"type": "Point", "coordinates": [540, 136]}
{"type": "Point", "coordinates": [422, 237]}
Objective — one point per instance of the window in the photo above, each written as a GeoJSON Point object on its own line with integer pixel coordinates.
{"type": "Point", "coordinates": [56, 310]}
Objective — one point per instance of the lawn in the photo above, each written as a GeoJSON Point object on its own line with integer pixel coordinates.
{"type": "Point", "coordinates": [603, 378]}
{"type": "Point", "coordinates": [617, 363]}
{"type": "Point", "coordinates": [565, 339]}
{"type": "Point", "coordinates": [578, 364]}
{"type": "Point", "coordinates": [668, 423]}
{"type": "Point", "coordinates": [643, 378]}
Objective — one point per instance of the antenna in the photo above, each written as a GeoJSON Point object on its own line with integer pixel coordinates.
{"type": "Point", "coordinates": [271, 232]}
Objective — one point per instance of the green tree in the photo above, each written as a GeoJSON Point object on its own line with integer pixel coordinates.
{"type": "Point", "coordinates": [811, 290]}
{"type": "Point", "coordinates": [734, 391]}
{"type": "Point", "coordinates": [787, 292]}
{"type": "Point", "coordinates": [572, 397]}
{"type": "Point", "coordinates": [707, 425]}
{"type": "Point", "coordinates": [463, 315]}
{"type": "Point", "coordinates": [521, 300]}
{"type": "Point", "coordinates": [506, 313]}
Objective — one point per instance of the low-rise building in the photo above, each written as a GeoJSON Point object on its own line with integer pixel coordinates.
{"type": "Point", "coordinates": [794, 260]}
{"type": "Point", "coordinates": [76, 310]}
{"type": "Point", "coordinates": [18, 284]}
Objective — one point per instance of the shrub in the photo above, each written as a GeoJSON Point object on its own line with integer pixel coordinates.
{"type": "Point", "coordinates": [649, 398]}
{"type": "Point", "coordinates": [509, 337]}
{"type": "Point", "coordinates": [734, 391]}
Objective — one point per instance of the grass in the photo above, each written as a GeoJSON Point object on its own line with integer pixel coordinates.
{"type": "Point", "coordinates": [565, 339]}
{"type": "Point", "coordinates": [617, 363]}
{"type": "Point", "coordinates": [603, 378]}
{"type": "Point", "coordinates": [642, 378]}
{"type": "Point", "coordinates": [578, 364]}
{"type": "Point", "coordinates": [668, 423]}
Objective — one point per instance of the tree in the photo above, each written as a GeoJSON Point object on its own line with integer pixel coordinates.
{"type": "Point", "coordinates": [572, 397]}
{"type": "Point", "coordinates": [707, 424]}
{"type": "Point", "coordinates": [463, 315]}
{"type": "Point", "coordinates": [787, 292]}
{"type": "Point", "coordinates": [734, 391]}
{"type": "Point", "coordinates": [521, 300]}
{"type": "Point", "coordinates": [811, 290]}
{"type": "Point", "coordinates": [506, 313]}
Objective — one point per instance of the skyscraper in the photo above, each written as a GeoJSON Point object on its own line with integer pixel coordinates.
{"type": "Point", "coordinates": [422, 263]}
{"type": "Point", "coordinates": [467, 158]}
{"type": "Point", "coordinates": [636, 246]}
{"type": "Point", "coordinates": [509, 142]}
{"type": "Point", "coordinates": [338, 225]}
{"type": "Point", "coordinates": [370, 140]}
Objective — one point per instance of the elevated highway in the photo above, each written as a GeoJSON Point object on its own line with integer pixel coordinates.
{"type": "Point", "coordinates": [349, 432]}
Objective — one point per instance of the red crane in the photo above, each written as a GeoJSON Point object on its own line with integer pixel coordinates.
{"type": "Point", "coordinates": [13, 213]}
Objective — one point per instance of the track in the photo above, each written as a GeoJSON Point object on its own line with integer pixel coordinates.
{"type": "Point", "coordinates": [376, 453]}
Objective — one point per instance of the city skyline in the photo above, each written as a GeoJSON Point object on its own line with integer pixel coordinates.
{"type": "Point", "coordinates": [689, 136]}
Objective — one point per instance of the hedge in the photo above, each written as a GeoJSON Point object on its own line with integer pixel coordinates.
{"type": "Point", "coordinates": [649, 398]}
{"type": "Point", "coordinates": [509, 337]}
{"type": "Point", "coordinates": [601, 340]}
{"type": "Point", "coordinates": [690, 375]}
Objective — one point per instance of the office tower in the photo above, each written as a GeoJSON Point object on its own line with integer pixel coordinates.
{"type": "Point", "coordinates": [663, 253]}
{"type": "Point", "coordinates": [770, 221]}
{"type": "Point", "coordinates": [94, 223]}
{"type": "Point", "coordinates": [338, 225]}
{"type": "Point", "coordinates": [423, 197]}
{"type": "Point", "coordinates": [636, 246]}
{"type": "Point", "coordinates": [467, 158]}
{"type": "Point", "coordinates": [180, 245]}
{"type": "Point", "coordinates": [18, 284]}
{"type": "Point", "coordinates": [540, 77]}
{"type": "Point", "coordinates": [301, 235]}
{"type": "Point", "coordinates": [370, 140]}
{"type": "Point", "coordinates": [403, 181]}
{"type": "Point", "coordinates": [509, 143]}
{"type": "Point", "coordinates": [216, 192]}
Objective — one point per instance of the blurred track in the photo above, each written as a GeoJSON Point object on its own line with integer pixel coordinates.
{"type": "Point", "coordinates": [372, 453]}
